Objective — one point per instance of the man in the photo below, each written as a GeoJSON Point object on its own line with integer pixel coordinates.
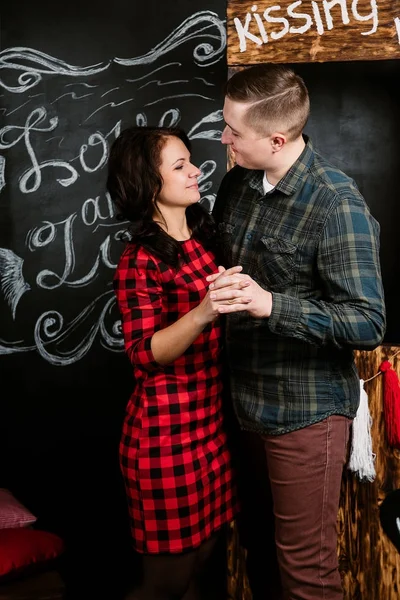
{"type": "Point", "coordinates": [309, 249]}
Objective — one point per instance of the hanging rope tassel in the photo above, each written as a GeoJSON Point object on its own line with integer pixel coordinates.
{"type": "Point", "coordinates": [361, 456]}
{"type": "Point", "coordinates": [391, 403]}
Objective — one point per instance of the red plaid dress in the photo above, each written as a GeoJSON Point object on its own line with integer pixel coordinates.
{"type": "Point", "coordinates": [173, 451]}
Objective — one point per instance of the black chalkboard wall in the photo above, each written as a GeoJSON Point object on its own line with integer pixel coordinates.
{"type": "Point", "coordinates": [72, 75]}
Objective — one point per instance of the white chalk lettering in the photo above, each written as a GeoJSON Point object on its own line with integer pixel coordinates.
{"type": "Point", "coordinates": [373, 15]}
{"type": "Point", "coordinates": [2, 172]}
{"type": "Point", "coordinates": [260, 24]}
{"type": "Point", "coordinates": [317, 17]}
{"type": "Point", "coordinates": [322, 17]}
{"type": "Point", "coordinates": [397, 24]}
{"type": "Point", "coordinates": [327, 9]}
{"type": "Point", "coordinates": [94, 140]}
{"type": "Point", "coordinates": [34, 173]}
{"type": "Point", "coordinates": [243, 33]}
{"type": "Point", "coordinates": [91, 210]}
{"type": "Point", "coordinates": [296, 15]}
{"type": "Point", "coordinates": [269, 19]}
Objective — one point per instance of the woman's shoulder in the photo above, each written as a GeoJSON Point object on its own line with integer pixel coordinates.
{"type": "Point", "coordinates": [137, 269]}
{"type": "Point", "coordinates": [137, 256]}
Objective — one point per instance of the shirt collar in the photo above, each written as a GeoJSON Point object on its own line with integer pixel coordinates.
{"type": "Point", "coordinates": [293, 179]}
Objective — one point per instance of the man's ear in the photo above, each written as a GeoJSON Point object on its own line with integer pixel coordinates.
{"type": "Point", "coordinates": [278, 140]}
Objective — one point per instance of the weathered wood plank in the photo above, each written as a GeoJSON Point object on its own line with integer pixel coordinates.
{"type": "Point", "coordinates": [369, 563]}
{"type": "Point", "coordinates": [312, 31]}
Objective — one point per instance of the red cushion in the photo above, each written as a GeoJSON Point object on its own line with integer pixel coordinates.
{"type": "Point", "coordinates": [22, 548]}
{"type": "Point", "coordinates": [12, 512]}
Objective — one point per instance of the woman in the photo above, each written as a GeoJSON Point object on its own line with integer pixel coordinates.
{"type": "Point", "coordinates": [173, 451]}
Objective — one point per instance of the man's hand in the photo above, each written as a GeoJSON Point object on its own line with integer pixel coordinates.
{"type": "Point", "coordinates": [230, 287]}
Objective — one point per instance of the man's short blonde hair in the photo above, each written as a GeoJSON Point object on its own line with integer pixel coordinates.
{"type": "Point", "coordinates": [278, 99]}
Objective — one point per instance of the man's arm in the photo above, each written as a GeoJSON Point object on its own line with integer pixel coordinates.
{"type": "Point", "coordinates": [352, 311]}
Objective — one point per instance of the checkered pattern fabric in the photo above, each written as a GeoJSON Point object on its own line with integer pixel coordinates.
{"type": "Point", "coordinates": [314, 244]}
{"type": "Point", "coordinates": [173, 451]}
{"type": "Point", "coordinates": [12, 513]}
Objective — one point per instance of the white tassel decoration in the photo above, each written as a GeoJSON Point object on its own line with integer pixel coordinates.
{"type": "Point", "coordinates": [361, 456]}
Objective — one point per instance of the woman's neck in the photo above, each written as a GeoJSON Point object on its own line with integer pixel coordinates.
{"type": "Point", "coordinates": [173, 223]}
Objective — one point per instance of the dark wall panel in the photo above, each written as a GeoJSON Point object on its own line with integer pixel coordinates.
{"type": "Point", "coordinates": [355, 123]}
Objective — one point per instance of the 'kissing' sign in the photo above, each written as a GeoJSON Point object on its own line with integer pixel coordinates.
{"type": "Point", "coordinates": [312, 30]}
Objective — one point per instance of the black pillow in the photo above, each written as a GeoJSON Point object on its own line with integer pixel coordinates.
{"type": "Point", "coordinates": [389, 514]}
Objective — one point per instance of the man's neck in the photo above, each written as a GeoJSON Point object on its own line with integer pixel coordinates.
{"type": "Point", "coordinates": [285, 159]}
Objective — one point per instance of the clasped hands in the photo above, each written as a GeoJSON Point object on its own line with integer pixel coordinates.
{"type": "Point", "coordinates": [236, 291]}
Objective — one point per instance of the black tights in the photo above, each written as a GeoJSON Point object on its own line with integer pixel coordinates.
{"type": "Point", "coordinates": [173, 576]}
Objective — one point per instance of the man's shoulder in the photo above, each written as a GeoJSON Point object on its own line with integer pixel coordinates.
{"type": "Point", "coordinates": [235, 174]}
{"type": "Point", "coordinates": [327, 173]}
{"type": "Point", "coordinates": [325, 185]}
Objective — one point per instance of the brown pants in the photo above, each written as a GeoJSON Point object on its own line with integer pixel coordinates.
{"type": "Point", "coordinates": [298, 475]}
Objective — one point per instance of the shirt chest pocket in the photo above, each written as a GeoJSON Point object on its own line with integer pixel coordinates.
{"type": "Point", "coordinates": [276, 262]}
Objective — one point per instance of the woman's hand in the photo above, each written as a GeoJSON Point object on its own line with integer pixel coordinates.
{"type": "Point", "coordinates": [229, 288]}
{"type": "Point", "coordinates": [234, 294]}
{"type": "Point", "coordinates": [170, 343]}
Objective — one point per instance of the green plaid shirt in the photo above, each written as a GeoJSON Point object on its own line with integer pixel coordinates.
{"type": "Point", "coordinates": [313, 243]}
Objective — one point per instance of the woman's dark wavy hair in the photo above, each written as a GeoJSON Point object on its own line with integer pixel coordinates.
{"type": "Point", "coordinates": [134, 181]}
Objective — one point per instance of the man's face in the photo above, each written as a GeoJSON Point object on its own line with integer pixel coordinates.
{"type": "Point", "coordinates": [251, 150]}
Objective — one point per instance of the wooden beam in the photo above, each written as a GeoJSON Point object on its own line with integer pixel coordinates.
{"type": "Point", "coordinates": [312, 31]}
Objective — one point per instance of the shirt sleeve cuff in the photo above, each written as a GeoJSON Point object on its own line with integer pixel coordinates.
{"type": "Point", "coordinates": [285, 314]}
{"type": "Point", "coordinates": [142, 355]}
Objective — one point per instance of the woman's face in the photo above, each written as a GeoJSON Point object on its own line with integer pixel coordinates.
{"type": "Point", "coordinates": [180, 187]}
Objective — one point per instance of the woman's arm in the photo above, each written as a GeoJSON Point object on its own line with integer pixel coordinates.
{"type": "Point", "coordinates": [138, 288]}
